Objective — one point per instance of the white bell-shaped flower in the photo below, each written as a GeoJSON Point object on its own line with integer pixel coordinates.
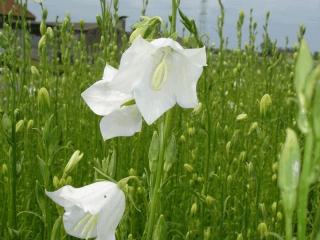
{"type": "Point", "coordinates": [118, 120]}
{"type": "Point", "coordinates": [160, 74]}
{"type": "Point", "coordinates": [92, 211]}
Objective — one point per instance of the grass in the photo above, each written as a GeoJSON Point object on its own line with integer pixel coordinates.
{"type": "Point", "coordinates": [221, 182]}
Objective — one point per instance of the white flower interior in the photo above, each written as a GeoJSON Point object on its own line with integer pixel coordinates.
{"type": "Point", "coordinates": [160, 74]}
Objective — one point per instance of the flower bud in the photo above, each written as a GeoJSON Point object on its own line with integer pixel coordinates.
{"type": "Point", "coordinates": [73, 161]}
{"type": "Point", "coordinates": [191, 131]}
{"type": "Point", "coordinates": [194, 209]}
{"type": "Point", "coordinates": [182, 138]}
{"type": "Point", "coordinates": [56, 182]}
{"type": "Point", "coordinates": [207, 233]}
{"type": "Point", "coordinates": [30, 124]}
{"type": "Point", "coordinates": [50, 33]}
{"type": "Point", "coordinates": [19, 126]}
{"type": "Point", "coordinates": [35, 71]}
{"type": "Point", "coordinates": [263, 229]}
{"type": "Point", "coordinates": [187, 167]}
{"type": "Point", "coordinates": [42, 42]}
{"type": "Point", "coordinates": [274, 177]}
{"type": "Point", "coordinates": [132, 172]}
{"type": "Point", "coordinates": [239, 236]}
{"type": "Point", "coordinates": [279, 216]}
{"type": "Point", "coordinates": [4, 169]}
{"type": "Point", "coordinates": [197, 110]}
{"type": "Point", "coordinates": [62, 182]}
{"type": "Point", "coordinates": [242, 117]}
{"type": "Point", "coordinates": [265, 104]}
{"type": "Point", "coordinates": [43, 97]}
{"type": "Point", "coordinates": [275, 167]}
{"type": "Point", "coordinates": [69, 180]}
{"type": "Point", "coordinates": [43, 28]}
{"type": "Point", "coordinates": [160, 231]}
{"type": "Point", "coordinates": [228, 146]}
{"type": "Point", "coordinates": [274, 207]}
{"type": "Point", "coordinates": [253, 127]}
{"type": "Point", "coordinates": [209, 200]}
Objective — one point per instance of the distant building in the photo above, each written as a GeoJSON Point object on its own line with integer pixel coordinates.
{"type": "Point", "coordinates": [16, 10]}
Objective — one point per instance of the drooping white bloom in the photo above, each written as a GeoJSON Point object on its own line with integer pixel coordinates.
{"type": "Point", "coordinates": [160, 74]}
{"type": "Point", "coordinates": [92, 211]}
{"type": "Point", "coordinates": [118, 120]}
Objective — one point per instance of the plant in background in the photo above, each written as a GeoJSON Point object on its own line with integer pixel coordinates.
{"type": "Point", "coordinates": [295, 184]}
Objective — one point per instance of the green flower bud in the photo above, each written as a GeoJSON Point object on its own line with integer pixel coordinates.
{"type": "Point", "coordinates": [73, 161]}
{"type": "Point", "coordinates": [188, 168]}
{"type": "Point", "coordinates": [239, 236]}
{"type": "Point", "coordinates": [4, 169]}
{"type": "Point", "coordinates": [160, 231]}
{"type": "Point", "coordinates": [35, 71]}
{"type": "Point", "coordinates": [274, 207]}
{"type": "Point", "coordinates": [191, 131]}
{"type": "Point", "coordinates": [274, 177]}
{"type": "Point", "coordinates": [194, 209]}
{"type": "Point", "coordinates": [43, 97]}
{"type": "Point", "coordinates": [56, 182]}
{"type": "Point", "coordinates": [42, 42]}
{"type": "Point", "coordinates": [132, 172]}
{"type": "Point", "coordinates": [279, 216]}
{"type": "Point", "coordinates": [50, 33]}
{"type": "Point", "coordinates": [69, 180]}
{"type": "Point", "coordinates": [242, 117]}
{"type": "Point", "coordinates": [198, 109]}
{"type": "Point", "coordinates": [263, 229]}
{"type": "Point", "coordinates": [19, 126]}
{"type": "Point", "coordinates": [265, 104]}
{"type": "Point", "coordinates": [30, 124]}
{"type": "Point", "coordinates": [209, 200]}
{"type": "Point", "coordinates": [253, 127]}
{"type": "Point", "coordinates": [207, 233]}
{"type": "Point", "coordinates": [182, 138]}
{"type": "Point", "coordinates": [43, 28]}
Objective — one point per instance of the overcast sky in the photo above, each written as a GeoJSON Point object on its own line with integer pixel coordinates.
{"type": "Point", "coordinates": [286, 15]}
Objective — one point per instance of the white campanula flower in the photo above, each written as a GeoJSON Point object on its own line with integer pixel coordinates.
{"type": "Point", "coordinates": [118, 120]}
{"type": "Point", "coordinates": [92, 211]}
{"type": "Point", "coordinates": [159, 74]}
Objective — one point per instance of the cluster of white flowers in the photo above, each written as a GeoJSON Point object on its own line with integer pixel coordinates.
{"type": "Point", "coordinates": [156, 75]}
{"type": "Point", "coordinates": [152, 78]}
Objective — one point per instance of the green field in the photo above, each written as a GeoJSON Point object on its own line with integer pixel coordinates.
{"type": "Point", "coordinates": [221, 160]}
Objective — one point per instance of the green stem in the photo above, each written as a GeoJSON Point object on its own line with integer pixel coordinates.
{"type": "Point", "coordinates": [304, 186]}
{"type": "Point", "coordinates": [165, 128]}
{"type": "Point", "coordinates": [289, 227]}
{"type": "Point", "coordinates": [174, 16]}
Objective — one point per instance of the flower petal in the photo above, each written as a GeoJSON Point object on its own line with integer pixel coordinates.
{"type": "Point", "coordinates": [102, 99]}
{"type": "Point", "coordinates": [111, 215]}
{"type": "Point", "coordinates": [153, 103]}
{"type": "Point", "coordinates": [183, 77]}
{"type": "Point", "coordinates": [166, 42]}
{"type": "Point", "coordinates": [196, 56]}
{"type": "Point", "coordinates": [90, 198]}
{"type": "Point", "coordinates": [122, 122]}
{"type": "Point", "coordinates": [133, 65]}
{"type": "Point", "coordinates": [80, 224]}
{"type": "Point", "coordinates": [109, 73]}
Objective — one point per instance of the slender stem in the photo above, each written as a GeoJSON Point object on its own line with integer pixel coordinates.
{"type": "Point", "coordinates": [165, 129]}
{"type": "Point", "coordinates": [304, 188]}
{"type": "Point", "coordinates": [174, 16]}
{"type": "Point", "coordinates": [289, 227]}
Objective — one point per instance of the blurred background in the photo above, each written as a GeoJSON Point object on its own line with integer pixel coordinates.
{"type": "Point", "coordinates": [286, 15]}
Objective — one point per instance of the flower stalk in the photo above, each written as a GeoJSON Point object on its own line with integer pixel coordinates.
{"type": "Point", "coordinates": [165, 128]}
